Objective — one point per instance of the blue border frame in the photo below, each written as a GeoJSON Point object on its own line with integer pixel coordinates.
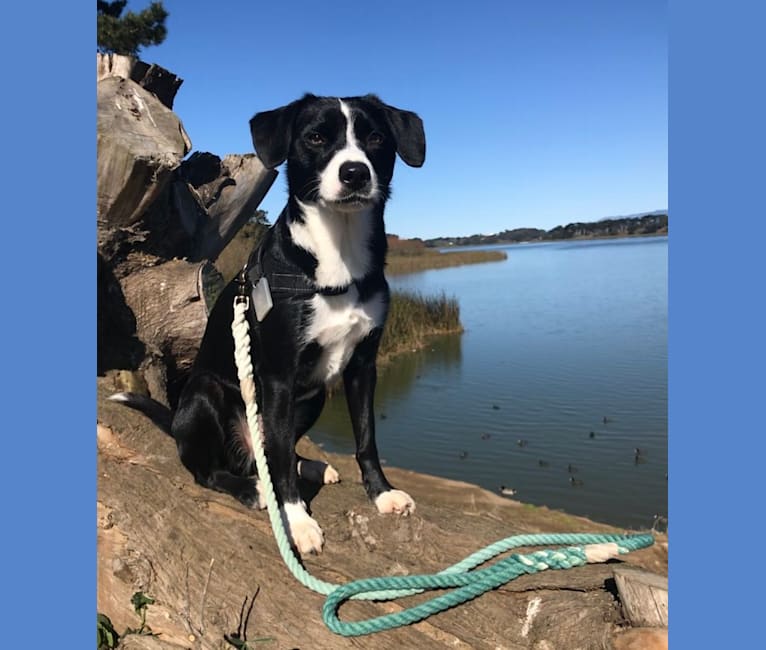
{"type": "Point", "coordinates": [716, 350]}
{"type": "Point", "coordinates": [49, 324]}
{"type": "Point", "coordinates": [717, 140]}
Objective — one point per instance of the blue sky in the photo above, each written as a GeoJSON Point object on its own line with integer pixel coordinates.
{"type": "Point", "coordinates": [536, 114]}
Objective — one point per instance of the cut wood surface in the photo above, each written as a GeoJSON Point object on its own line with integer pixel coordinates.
{"type": "Point", "coordinates": [200, 554]}
{"type": "Point", "coordinates": [114, 65]}
{"type": "Point", "coordinates": [644, 596]}
{"type": "Point", "coordinates": [157, 80]}
{"type": "Point", "coordinates": [140, 142]}
{"type": "Point", "coordinates": [170, 306]}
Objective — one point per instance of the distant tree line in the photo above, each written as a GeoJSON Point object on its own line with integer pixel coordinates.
{"type": "Point", "coordinates": [650, 224]}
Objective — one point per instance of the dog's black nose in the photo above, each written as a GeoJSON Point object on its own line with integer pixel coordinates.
{"type": "Point", "coordinates": [354, 175]}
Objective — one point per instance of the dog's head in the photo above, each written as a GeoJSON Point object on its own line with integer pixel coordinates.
{"type": "Point", "coordinates": [340, 151]}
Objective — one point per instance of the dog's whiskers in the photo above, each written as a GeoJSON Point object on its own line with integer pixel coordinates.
{"type": "Point", "coordinates": [311, 188]}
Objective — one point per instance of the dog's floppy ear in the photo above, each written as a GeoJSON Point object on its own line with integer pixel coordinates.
{"type": "Point", "coordinates": [272, 133]}
{"type": "Point", "coordinates": [407, 129]}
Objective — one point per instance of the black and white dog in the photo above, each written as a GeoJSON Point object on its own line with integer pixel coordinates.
{"type": "Point", "coordinates": [323, 261]}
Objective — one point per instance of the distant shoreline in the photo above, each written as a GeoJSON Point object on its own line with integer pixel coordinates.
{"type": "Point", "coordinates": [551, 241]}
{"type": "Point", "coordinates": [648, 224]}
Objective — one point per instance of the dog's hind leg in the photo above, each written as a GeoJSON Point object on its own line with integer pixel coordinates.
{"type": "Point", "coordinates": [244, 489]}
{"type": "Point", "coordinates": [212, 443]}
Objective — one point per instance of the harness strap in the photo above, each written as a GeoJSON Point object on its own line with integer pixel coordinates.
{"type": "Point", "coordinates": [285, 278]}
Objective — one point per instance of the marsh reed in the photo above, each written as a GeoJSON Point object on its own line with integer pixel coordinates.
{"type": "Point", "coordinates": [412, 317]}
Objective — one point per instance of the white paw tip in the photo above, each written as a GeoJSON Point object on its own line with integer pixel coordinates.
{"type": "Point", "coordinates": [331, 475]}
{"type": "Point", "coordinates": [396, 502]}
{"type": "Point", "coordinates": [306, 533]}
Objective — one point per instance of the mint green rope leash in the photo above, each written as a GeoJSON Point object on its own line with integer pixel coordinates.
{"type": "Point", "coordinates": [466, 583]}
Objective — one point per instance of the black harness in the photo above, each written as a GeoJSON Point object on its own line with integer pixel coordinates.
{"type": "Point", "coordinates": [285, 280]}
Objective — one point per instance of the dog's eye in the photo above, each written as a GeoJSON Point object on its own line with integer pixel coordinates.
{"type": "Point", "coordinates": [375, 139]}
{"type": "Point", "coordinates": [315, 138]}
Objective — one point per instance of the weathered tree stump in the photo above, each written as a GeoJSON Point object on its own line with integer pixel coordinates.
{"type": "Point", "coordinates": [140, 142]}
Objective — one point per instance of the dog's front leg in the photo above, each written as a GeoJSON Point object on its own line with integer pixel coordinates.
{"type": "Point", "coordinates": [279, 421]}
{"type": "Point", "coordinates": [359, 380]}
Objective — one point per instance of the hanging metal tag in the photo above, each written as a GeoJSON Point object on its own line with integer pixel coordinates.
{"type": "Point", "coordinates": [262, 299]}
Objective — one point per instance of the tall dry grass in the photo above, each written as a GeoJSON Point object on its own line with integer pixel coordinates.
{"type": "Point", "coordinates": [400, 262]}
{"type": "Point", "coordinates": [413, 317]}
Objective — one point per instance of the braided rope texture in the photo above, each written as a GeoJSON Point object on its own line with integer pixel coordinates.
{"type": "Point", "coordinates": [465, 582]}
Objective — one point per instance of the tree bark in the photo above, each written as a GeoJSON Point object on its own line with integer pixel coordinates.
{"type": "Point", "coordinates": [140, 142]}
{"type": "Point", "coordinates": [154, 78]}
{"type": "Point", "coordinates": [170, 303]}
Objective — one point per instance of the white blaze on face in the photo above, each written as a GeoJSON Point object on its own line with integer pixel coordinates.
{"type": "Point", "coordinates": [330, 186]}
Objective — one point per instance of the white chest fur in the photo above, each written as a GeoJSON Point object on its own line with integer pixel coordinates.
{"type": "Point", "coordinates": [338, 240]}
{"type": "Point", "coordinates": [338, 324]}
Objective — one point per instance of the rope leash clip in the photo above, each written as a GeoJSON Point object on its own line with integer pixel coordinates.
{"type": "Point", "coordinates": [242, 289]}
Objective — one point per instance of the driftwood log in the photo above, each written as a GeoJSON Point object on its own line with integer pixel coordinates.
{"type": "Point", "coordinates": [162, 221]}
{"type": "Point", "coordinates": [200, 553]}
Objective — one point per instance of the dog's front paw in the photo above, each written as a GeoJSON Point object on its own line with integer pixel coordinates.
{"type": "Point", "coordinates": [306, 534]}
{"type": "Point", "coordinates": [395, 501]}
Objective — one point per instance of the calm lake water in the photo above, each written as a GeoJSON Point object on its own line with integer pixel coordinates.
{"type": "Point", "coordinates": [558, 337]}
